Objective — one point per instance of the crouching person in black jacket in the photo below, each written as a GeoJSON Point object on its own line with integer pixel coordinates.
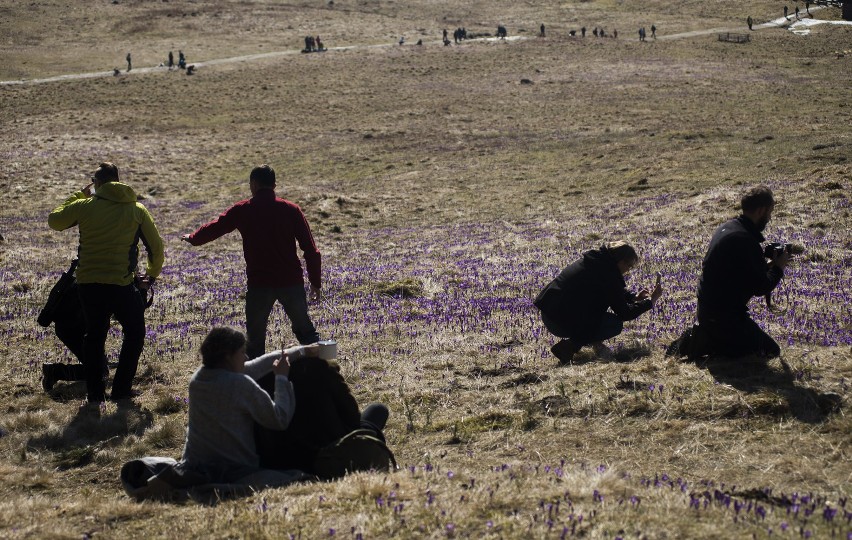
{"type": "Point", "coordinates": [576, 305]}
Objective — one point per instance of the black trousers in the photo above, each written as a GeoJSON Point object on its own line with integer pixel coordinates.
{"type": "Point", "coordinates": [100, 303]}
{"type": "Point", "coordinates": [735, 335]}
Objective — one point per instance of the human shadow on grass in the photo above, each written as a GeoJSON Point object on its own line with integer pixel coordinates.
{"type": "Point", "coordinates": [64, 392]}
{"type": "Point", "coordinates": [76, 443]}
{"type": "Point", "coordinates": [754, 375]}
{"type": "Point", "coordinates": [621, 355]}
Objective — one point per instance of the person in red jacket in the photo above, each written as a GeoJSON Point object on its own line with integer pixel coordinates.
{"type": "Point", "coordinates": [271, 227]}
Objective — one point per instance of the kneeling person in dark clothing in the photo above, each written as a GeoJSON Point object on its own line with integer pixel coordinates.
{"type": "Point", "coordinates": [734, 270]}
{"type": "Point", "coordinates": [575, 306]}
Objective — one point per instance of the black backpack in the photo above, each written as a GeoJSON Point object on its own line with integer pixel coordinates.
{"type": "Point", "coordinates": [62, 298]}
{"type": "Point", "coordinates": [64, 304]}
{"type": "Point", "coordinates": [360, 450]}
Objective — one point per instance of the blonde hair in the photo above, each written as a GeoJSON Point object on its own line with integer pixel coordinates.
{"type": "Point", "coordinates": [622, 251]}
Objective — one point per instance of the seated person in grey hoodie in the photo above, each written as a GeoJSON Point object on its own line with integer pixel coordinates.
{"type": "Point", "coordinates": [225, 401]}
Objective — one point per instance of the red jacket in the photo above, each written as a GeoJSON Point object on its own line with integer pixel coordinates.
{"type": "Point", "coordinates": [270, 227]}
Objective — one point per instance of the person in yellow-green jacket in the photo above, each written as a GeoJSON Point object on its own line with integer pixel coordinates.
{"type": "Point", "coordinates": [111, 224]}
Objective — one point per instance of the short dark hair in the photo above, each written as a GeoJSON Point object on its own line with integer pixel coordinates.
{"type": "Point", "coordinates": [263, 175]}
{"type": "Point", "coordinates": [757, 197]}
{"type": "Point", "coordinates": [219, 344]}
{"type": "Point", "coordinates": [106, 172]}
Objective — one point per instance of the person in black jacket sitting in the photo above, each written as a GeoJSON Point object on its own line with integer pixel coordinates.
{"type": "Point", "coordinates": [575, 306]}
{"type": "Point", "coordinates": [734, 270]}
{"type": "Point", "coordinates": [326, 411]}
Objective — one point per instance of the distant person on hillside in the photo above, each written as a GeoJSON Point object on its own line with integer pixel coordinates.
{"type": "Point", "coordinates": [181, 60]}
{"type": "Point", "coordinates": [271, 227]}
{"type": "Point", "coordinates": [588, 301]}
{"type": "Point", "coordinates": [402, 40]}
{"type": "Point", "coordinates": [614, 33]}
{"type": "Point", "coordinates": [319, 45]}
{"type": "Point", "coordinates": [445, 36]}
{"type": "Point", "coordinates": [808, 8]}
{"type": "Point", "coordinates": [733, 271]}
{"type": "Point", "coordinates": [654, 31]}
{"type": "Point", "coordinates": [542, 31]}
{"type": "Point", "coordinates": [797, 12]}
{"type": "Point", "coordinates": [171, 60]}
{"type": "Point", "coordinates": [642, 34]}
{"type": "Point", "coordinates": [501, 32]}
{"type": "Point", "coordinates": [785, 12]}
{"type": "Point", "coordinates": [595, 31]}
{"type": "Point", "coordinates": [583, 32]}
{"type": "Point", "coordinates": [749, 22]}
{"type": "Point", "coordinates": [128, 61]}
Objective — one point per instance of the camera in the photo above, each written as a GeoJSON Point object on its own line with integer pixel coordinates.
{"type": "Point", "coordinates": [775, 249]}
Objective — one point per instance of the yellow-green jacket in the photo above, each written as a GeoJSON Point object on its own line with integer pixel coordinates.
{"type": "Point", "coordinates": [111, 224]}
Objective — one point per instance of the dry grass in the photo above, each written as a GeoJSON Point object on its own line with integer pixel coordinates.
{"type": "Point", "coordinates": [426, 173]}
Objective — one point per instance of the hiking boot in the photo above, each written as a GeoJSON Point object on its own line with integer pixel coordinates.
{"type": "Point", "coordinates": [564, 351]}
{"type": "Point", "coordinates": [48, 376]}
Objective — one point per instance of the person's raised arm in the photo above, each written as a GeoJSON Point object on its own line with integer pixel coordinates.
{"type": "Point", "coordinates": [762, 278]}
{"type": "Point", "coordinates": [65, 215]}
{"type": "Point", "coordinates": [274, 414]}
{"type": "Point", "coordinates": [222, 225]}
{"type": "Point", "coordinates": [260, 366]}
{"type": "Point", "coordinates": [627, 311]}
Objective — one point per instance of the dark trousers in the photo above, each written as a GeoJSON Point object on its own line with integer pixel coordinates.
{"type": "Point", "coordinates": [100, 303]}
{"type": "Point", "coordinates": [610, 327]}
{"type": "Point", "coordinates": [259, 303]}
{"type": "Point", "coordinates": [735, 335]}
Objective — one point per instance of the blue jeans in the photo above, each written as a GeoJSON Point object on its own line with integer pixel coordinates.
{"type": "Point", "coordinates": [610, 327]}
{"type": "Point", "coordinates": [259, 303]}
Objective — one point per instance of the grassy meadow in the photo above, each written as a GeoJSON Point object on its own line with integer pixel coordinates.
{"type": "Point", "coordinates": [445, 186]}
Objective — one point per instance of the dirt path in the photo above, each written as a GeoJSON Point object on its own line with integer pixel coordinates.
{"type": "Point", "coordinates": [776, 23]}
